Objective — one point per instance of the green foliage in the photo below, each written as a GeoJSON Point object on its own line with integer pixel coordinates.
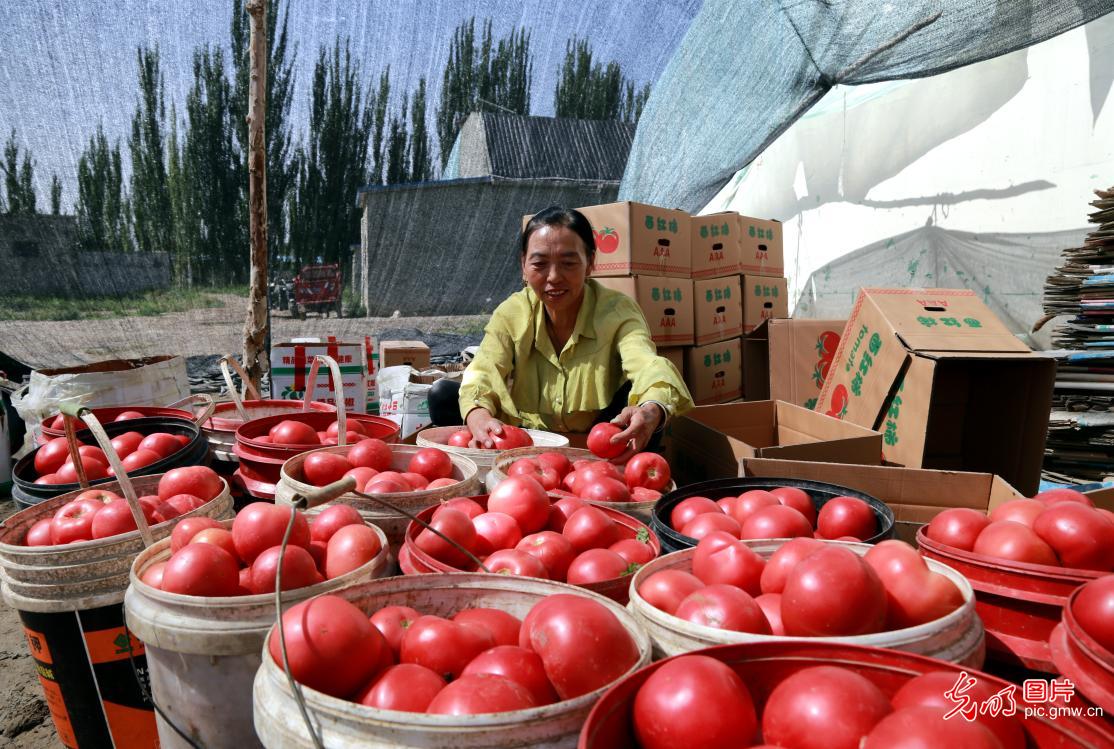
{"type": "Point", "coordinates": [141, 304]}
{"type": "Point", "coordinates": [378, 128]}
{"type": "Point", "coordinates": [55, 195]}
{"type": "Point", "coordinates": [103, 215]}
{"type": "Point", "coordinates": [19, 181]}
{"type": "Point", "coordinates": [150, 194]}
{"type": "Point", "coordinates": [421, 160]}
{"type": "Point", "coordinates": [589, 90]}
{"type": "Point", "coordinates": [398, 150]}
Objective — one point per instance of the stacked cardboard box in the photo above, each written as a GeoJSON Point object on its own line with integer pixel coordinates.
{"type": "Point", "coordinates": [762, 264]}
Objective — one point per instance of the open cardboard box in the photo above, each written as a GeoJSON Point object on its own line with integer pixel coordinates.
{"type": "Point", "coordinates": [711, 442]}
{"type": "Point", "coordinates": [788, 359]}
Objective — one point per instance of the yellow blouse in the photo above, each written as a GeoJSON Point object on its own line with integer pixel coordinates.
{"type": "Point", "coordinates": [564, 392]}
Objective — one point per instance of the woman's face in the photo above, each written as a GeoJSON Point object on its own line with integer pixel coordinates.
{"type": "Point", "coordinates": [555, 267]}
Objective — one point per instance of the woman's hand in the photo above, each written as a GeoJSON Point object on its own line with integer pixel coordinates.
{"type": "Point", "coordinates": [483, 425]}
{"type": "Point", "coordinates": [639, 423]}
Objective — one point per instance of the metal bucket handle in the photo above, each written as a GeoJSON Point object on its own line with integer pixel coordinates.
{"type": "Point", "coordinates": [338, 388]}
{"type": "Point", "coordinates": [74, 411]}
{"type": "Point", "coordinates": [249, 388]}
{"type": "Point", "coordinates": [207, 406]}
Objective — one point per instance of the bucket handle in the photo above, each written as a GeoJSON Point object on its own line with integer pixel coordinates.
{"type": "Point", "coordinates": [74, 411]}
{"type": "Point", "coordinates": [338, 390]}
{"type": "Point", "coordinates": [249, 388]}
{"type": "Point", "coordinates": [207, 406]}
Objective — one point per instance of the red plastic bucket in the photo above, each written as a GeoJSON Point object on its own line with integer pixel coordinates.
{"type": "Point", "coordinates": [252, 485]}
{"type": "Point", "coordinates": [1082, 659]}
{"type": "Point", "coordinates": [764, 666]}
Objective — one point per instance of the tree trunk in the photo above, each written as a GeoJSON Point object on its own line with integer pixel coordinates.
{"type": "Point", "coordinates": [256, 329]}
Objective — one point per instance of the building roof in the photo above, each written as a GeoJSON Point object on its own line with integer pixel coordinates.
{"type": "Point", "coordinates": [522, 147]}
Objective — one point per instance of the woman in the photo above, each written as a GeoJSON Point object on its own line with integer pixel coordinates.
{"type": "Point", "coordinates": [557, 354]}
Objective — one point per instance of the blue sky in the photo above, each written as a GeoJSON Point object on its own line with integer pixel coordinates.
{"type": "Point", "coordinates": [65, 66]}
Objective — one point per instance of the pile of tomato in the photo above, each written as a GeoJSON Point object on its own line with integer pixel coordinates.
{"type": "Point", "coordinates": [523, 532]}
{"type": "Point", "coordinates": [784, 512]}
{"type": "Point", "coordinates": [291, 432]}
{"type": "Point", "coordinates": [511, 438]}
{"type": "Point", "coordinates": [698, 702]}
{"type": "Point", "coordinates": [1059, 527]}
{"type": "Point", "coordinates": [642, 479]}
{"type": "Point", "coordinates": [1093, 609]}
{"type": "Point", "coordinates": [808, 588]}
{"type": "Point", "coordinates": [99, 513]}
{"type": "Point", "coordinates": [54, 464]}
{"type": "Point", "coordinates": [369, 462]}
{"type": "Point", "coordinates": [208, 559]}
{"type": "Point", "coordinates": [481, 660]}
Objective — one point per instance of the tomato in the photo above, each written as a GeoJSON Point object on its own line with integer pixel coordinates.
{"type": "Point", "coordinates": [1005, 539]}
{"type": "Point", "coordinates": [199, 481]}
{"type": "Point", "coordinates": [642, 494]}
{"type": "Point", "coordinates": [325, 468]}
{"type": "Point", "coordinates": [598, 565]}
{"type": "Point", "coordinates": [928, 690]}
{"type": "Point", "coordinates": [552, 549]}
{"type": "Point", "coordinates": [561, 511]}
{"type": "Point", "coordinates": [496, 530]}
{"type": "Point", "coordinates": [927, 728]}
{"type": "Point", "coordinates": [371, 453]}
{"type": "Point", "coordinates": [481, 693]}
{"type": "Point", "coordinates": [261, 525]}
{"type": "Point", "coordinates": [518, 664]}
{"type": "Point", "coordinates": [523, 467]}
{"type": "Point", "coordinates": [914, 594]}
{"type": "Point", "coordinates": [126, 443]}
{"type": "Point", "coordinates": [416, 481]}
{"type": "Point", "coordinates": [688, 508]}
{"type": "Point", "coordinates": [184, 503]}
{"type": "Point", "coordinates": [443, 646]}
{"type": "Point", "coordinates": [511, 438]}
{"type": "Point", "coordinates": [115, 518]}
{"type": "Point", "coordinates": [74, 521]}
{"type": "Point", "coordinates": [350, 548]}
{"type": "Point", "coordinates": [298, 569]}
{"type": "Point", "coordinates": [94, 469]}
{"type": "Point", "coordinates": [648, 470]}
{"type": "Point", "coordinates": [439, 483]}
{"type": "Point", "coordinates": [351, 426]}
{"type": "Point", "coordinates": [431, 463]}
{"type": "Point", "coordinates": [770, 603]}
{"type": "Point", "coordinates": [394, 477]}
{"type": "Point", "coordinates": [86, 451]}
{"type": "Point", "coordinates": [162, 443]}
{"type": "Point", "coordinates": [392, 622]}
{"type": "Point", "coordinates": [599, 441]}
{"type": "Point", "coordinates": [832, 592]}
{"type": "Point", "coordinates": [798, 499]}
{"type": "Point", "coordinates": [38, 534]}
{"type": "Point", "coordinates": [555, 629]}
{"type": "Point", "coordinates": [554, 460]}
{"type": "Point", "coordinates": [459, 438]}
{"type": "Point", "coordinates": [128, 415]}
{"type": "Point", "coordinates": [331, 645]}
{"type": "Point", "coordinates": [823, 707]}
{"type": "Point", "coordinates": [590, 528]}
{"type": "Point", "coordinates": [721, 558]}
{"type": "Point", "coordinates": [153, 575]}
{"type": "Point", "coordinates": [50, 457]}
{"type": "Point", "coordinates": [549, 479]}
{"type": "Point", "coordinates": [634, 551]}
{"type": "Point", "coordinates": [504, 628]}
{"type": "Point", "coordinates": [49, 478]}
{"type": "Point", "coordinates": [457, 527]}
{"type": "Point", "coordinates": [1094, 610]}
{"type": "Point", "coordinates": [188, 528]}
{"type": "Point", "coordinates": [289, 432]}
{"type": "Point", "coordinates": [380, 485]}
{"type": "Point", "coordinates": [751, 502]}
{"type": "Point", "coordinates": [201, 570]}
{"type": "Point", "coordinates": [1057, 496]}
{"type": "Point", "coordinates": [604, 490]}
{"type": "Point", "coordinates": [332, 519]}
{"type": "Point", "coordinates": [524, 499]}
{"type": "Point", "coordinates": [846, 516]}
{"type": "Point", "coordinates": [517, 563]}
{"type": "Point", "coordinates": [710, 522]}
{"type": "Point", "coordinates": [724, 607]}
{"type": "Point", "coordinates": [1024, 511]}
{"type": "Point", "coordinates": [1080, 536]}
{"type": "Point", "coordinates": [666, 589]}
{"type": "Point", "coordinates": [407, 687]}
{"type": "Point", "coordinates": [958, 527]}
{"type": "Point", "coordinates": [776, 521]}
{"type": "Point", "coordinates": [782, 562]}
{"type": "Point", "coordinates": [218, 536]}
{"type": "Point", "coordinates": [469, 507]}
{"type": "Point", "coordinates": [696, 702]}
{"type": "Point", "coordinates": [100, 495]}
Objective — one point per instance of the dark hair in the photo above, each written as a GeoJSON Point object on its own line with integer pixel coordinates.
{"type": "Point", "coordinates": [570, 218]}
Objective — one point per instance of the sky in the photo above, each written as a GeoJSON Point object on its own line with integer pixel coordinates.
{"type": "Point", "coordinates": [67, 65]}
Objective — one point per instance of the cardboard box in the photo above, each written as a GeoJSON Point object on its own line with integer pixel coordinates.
{"type": "Point", "coordinates": [717, 309]}
{"type": "Point", "coordinates": [676, 355]}
{"type": "Point", "coordinates": [788, 360]}
{"type": "Point", "coordinates": [711, 442]}
{"type": "Point", "coordinates": [635, 238]}
{"type": "Point", "coordinates": [371, 352]}
{"type": "Point", "coordinates": [716, 245]}
{"type": "Point", "coordinates": [411, 353]}
{"type": "Point", "coordinates": [915, 495]}
{"type": "Point", "coordinates": [764, 298]}
{"type": "Point", "coordinates": [761, 252]}
{"type": "Point", "coordinates": [714, 373]}
{"type": "Point", "coordinates": [291, 362]}
{"type": "Point", "coordinates": [947, 384]}
{"type": "Point", "coordinates": [666, 303]}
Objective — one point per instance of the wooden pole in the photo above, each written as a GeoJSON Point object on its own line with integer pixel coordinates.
{"type": "Point", "coordinates": [257, 327]}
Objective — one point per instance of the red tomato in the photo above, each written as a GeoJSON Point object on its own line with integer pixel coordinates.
{"type": "Point", "coordinates": [50, 457]}
{"type": "Point", "coordinates": [116, 517]}
{"type": "Point", "coordinates": [604, 490]}
{"type": "Point", "coordinates": [331, 645]}
{"type": "Point", "coordinates": [188, 528]}
{"type": "Point", "coordinates": [199, 481]}
{"type": "Point", "coordinates": [126, 443]}
{"type": "Point", "coordinates": [332, 519]}
{"type": "Point", "coordinates": [431, 463]}
{"type": "Point", "coordinates": [38, 534]}
{"type": "Point", "coordinates": [289, 432]}
{"type": "Point", "coordinates": [261, 525]}
{"type": "Point", "coordinates": [94, 469]}
{"type": "Point", "coordinates": [469, 507]}
{"type": "Point", "coordinates": [782, 562]}
{"type": "Point", "coordinates": [459, 438]}
{"type": "Point", "coordinates": [162, 443]}
{"type": "Point", "coordinates": [217, 536]}
{"type": "Point", "coordinates": [562, 510]}
{"type": "Point", "coordinates": [575, 664]}
{"type": "Point", "coordinates": [317, 550]}
{"type": "Point", "coordinates": [128, 415]}
{"type": "Point", "coordinates": [392, 622]}
{"type": "Point", "coordinates": [139, 459]}
{"type": "Point", "coordinates": [722, 558]}
{"type": "Point", "coordinates": [416, 481]}
{"type": "Point", "coordinates": [685, 510]}
{"type": "Point", "coordinates": [751, 502]}
{"type": "Point", "coordinates": [503, 627]}
{"type": "Point", "coordinates": [823, 707]}
{"type": "Point", "coordinates": [649, 470]}
{"type": "Point", "coordinates": [666, 589]}
{"type": "Point", "coordinates": [74, 521]}
{"type": "Point", "coordinates": [1024, 511]}
{"type": "Point", "coordinates": [926, 728]}
{"type": "Point", "coordinates": [350, 548]}
{"type": "Point", "coordinates": [201, 570]}
{"type": "Point", "coordinates": [710, 522]}
{"type": "Point", "coordinates": [549, 479]}
{"type": "Point", "coordinates": [599, 441]}
{"type": "Point", "coordinates": [642, 494]}
{"type": "Point", "coordinates": [798, 499]}
{"type": "Point", "coordinates": [634, 551]}
{"type": "Point", "coordinates": [1057, 496]}
{"type": "Point", "coordinates": [325, 468]}
{"type": "Point", "coordinates": [1005, 539]}
{"type": "Point", "coordinates": [371, 453]}
{"type": "Point", "coordinates": [49, 478]}
{"type": "Point", "coordinates": [914, 594]}
{"type": "Point", "coordinates": [770, 603]}
{"type": "Point", "coordinates": [553, 550]}
{"type": "Point", "coordinates": [523, 499]}
{"type": "Point", "coordinates": [58, 423]}
{"type": "Point", "coordinates": [928, 690]}
{"type": "Point", "coordinates": [87, 451]}
{"type": "Point", "coordinates": [776, 521]}
{"type": "Point", "coordinates": [523, 467]}
{"type": "Point", "coordinates": [443, 646]}
{"type": "Point", "coordinates": [1094, 610]}
{"type": "Point", "coordinates": [455, 525]}
{"type": "Point", "coordinates": [298, 569]}
{"type": "Point", "coordinates": [153, 575]}
{"type": "Point", "coordinates": [1080, 536]}
{"type": "Point", "coordinates": [161, 511]}
{"type": "Point", "coordinates": [590, 528]}
{"type": "Point", "coordinates": [958, 527]}
{"type": "Point", "coordinates": [439, 483]}
{"type": "Point", "coordinates": [554, 460]}
{"type": "Point", "coordinates": [511, 438]}
{"type": "Point", "coordinates": [694, 701]}
{"type": "Point", "coordinates": [481, 693]}
{"type": "Point", "coordinates": [101, 495]}
{"type": "Point", "coordinates": [832, 592]}
{"type": "Point", "coordinates": [520, 665]}
{"type": "Point", "coordinates": [406, 687]}
{"type": "Point", "coordinates": [494, 531]}
{"type": "Point", "coordinates": [846, 516]}
{"type": "Point", "coordinates": [380, 485]}
{"type": "Point", "coordinates": [596, 566]}
{"type": "Point", "coordinates": [724, 607]}
{"type": "Point", "coordinates": [517, 563]}
{"type": "Point", "coordinates": [351, 426]}
{"type": "Point", "coordinates": [598, 469]}
{"type": "Point", "coordinates": [184, 503]}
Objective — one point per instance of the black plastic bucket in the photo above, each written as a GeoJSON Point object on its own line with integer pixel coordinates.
{"type": "Point", "coordinates": [819, 491]}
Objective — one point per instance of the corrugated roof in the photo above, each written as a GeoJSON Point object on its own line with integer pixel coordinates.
{"type": "Point", "coordinates": [549, 147]}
